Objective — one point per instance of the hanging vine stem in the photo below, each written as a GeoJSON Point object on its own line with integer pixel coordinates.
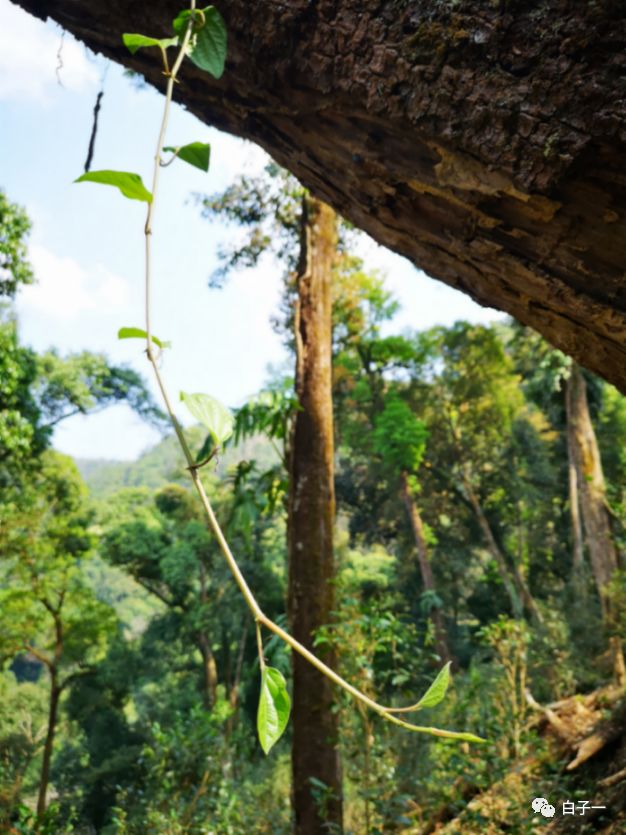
{"type": "Point", "coordinates": [259, 617]}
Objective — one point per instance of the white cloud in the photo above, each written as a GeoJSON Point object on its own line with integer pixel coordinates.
{"type": "Point", "coordinates": [64, 288]}
{"type": "Point", "coordinates": [28, 58]}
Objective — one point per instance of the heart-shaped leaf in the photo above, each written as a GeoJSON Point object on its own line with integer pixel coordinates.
{"type": "Point", "coordinates": [212, 415]}
{"type": "Point", "coordinates": [208, 48]}
{"type": "Point", "coordinates": [274, 708]}
{"type": "Point", "coordinates": [138, 333]}
{"type": "Point", "coordinates": [195, 153]}
{"type": "Point", "coordinates": [129, 184]}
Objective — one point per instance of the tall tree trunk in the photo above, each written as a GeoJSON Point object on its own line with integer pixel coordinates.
{"type": "Point", "coordinates": [514, 583]}
{"type": "Point", "coordinates": [53, 710]}
{"type": "Point", "coordinates": [426, 571]}
{"type": "Point", "coordinates": [590, 478]}
{"type": "Point", "coordinates": [311, 514]}
{"type": "Point", "coordinates": [574, 505]}
{"type": "Point", "coordinates": [482, 140]}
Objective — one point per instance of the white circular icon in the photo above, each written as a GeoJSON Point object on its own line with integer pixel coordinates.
{"type": "Point", "coordinates": [547, 811]}
{"type": "Point", "coordinates": [538, 804]}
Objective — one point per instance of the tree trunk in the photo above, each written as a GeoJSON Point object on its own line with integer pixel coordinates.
{"type": "Point", "coordinates": [209, 672]}
{"type": "Point", "coordinates": [483, 141]}
{"type": "Point", "coordinates": [515, 585]}
{"type": "Point", "coordinates": [574, 506]}
{"type": "Point", "coordinates": [426, 571]}
{"type": "Point", "coordinates": [586, 455]}
{"type": "Point", "coordinates": [311, 514]}
{"type": "Point", "coordinates": [53, 709]}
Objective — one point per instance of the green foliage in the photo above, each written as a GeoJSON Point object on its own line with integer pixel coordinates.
{"type": "Point", "coordinates": [209, 41]}
{"type": "Point", "coordinates": [399, 436]}
{"type": "Point", "coordinates": [212, 415]}
{"type": "Point", "coordinates": [197, 154]}
{"type": "Point", "coordinates": [133, 42]}
{"type": "Point", "coordinates": [131, 185]}
{"type": "Point", "coordinates": [274, 708]}
{"type": "Point", "coordinates": [437, 690]}
{"type": "Point", "coordinates": [14, 229]}
{"type": "Point", "coordinates": [139, 333]}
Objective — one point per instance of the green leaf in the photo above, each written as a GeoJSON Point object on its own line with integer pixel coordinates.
{"type": "Point", "coordinates": [208, 50]}
{"type": "Point", "coordinates": [129, 184]}
{"type": "Point", "coordinates": [134, 42]}
{"type": "Point", "coordinates": [211, 414]}
{"type": "Point", "coordinates": [437, 689]}
{"type": "Point", "coordinates": [195, 153]}
{"type": "Point", "coordinates": [274, 708]}
{"type": "Point", "coordinates": [138, 333]}
{"type": "Point", "coordinates": [179, 24]}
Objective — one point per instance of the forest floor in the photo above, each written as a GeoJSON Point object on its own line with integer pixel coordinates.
{"type": "Point", "coordinates": [581, 772]}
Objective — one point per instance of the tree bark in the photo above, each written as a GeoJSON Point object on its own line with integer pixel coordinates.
{"type": "Point", "coordinates": [53, 709]}
{"type": "Point", "coordinates": [586, 454]}
{"type": "Point", "coordinates": [311, 512]}
{"type": "Point", "coordinates": [574, 505]}
{"type": "Point", "coordinates": [426, 571]}
{"type": "Point", "coordinates": [483, 141]}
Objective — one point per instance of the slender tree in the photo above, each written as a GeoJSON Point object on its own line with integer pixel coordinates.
{"type": "Point", "coordinates": [315, 750]}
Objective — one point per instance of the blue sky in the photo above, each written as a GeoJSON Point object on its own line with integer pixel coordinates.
{"type": "Point", "coordinates": [87, 240]}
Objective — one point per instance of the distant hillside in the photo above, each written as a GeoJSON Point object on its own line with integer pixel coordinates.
{"type": "Point", "coordinates": [164, 463]}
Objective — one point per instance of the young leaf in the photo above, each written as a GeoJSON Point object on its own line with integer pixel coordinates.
{"type": "Point", "coordinates": [138, 333]}
{"type": "Point", "coordinates": [211, 414]}
{"type": "Point", "coordinates": [437, 689]}
{"type": "Point", "coordinates": [179, 24]}
{"type": "Point", "coordinates": [134, 42]}
{"type": "Point", "coordinates": [195, 153]}
{"type": "Point", "coordinates": [129, 184]}
{"type": "Point", "coordinates": [208, 50]}
{"type": "Point", "coordinates": [274, 708]}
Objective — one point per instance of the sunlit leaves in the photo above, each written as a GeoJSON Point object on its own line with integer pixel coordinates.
{"type": "Point", "coordinates": [128, 183]}
{"type": "Point", "coordinates": [274, 708]}
{"type": "Point", "coordinates": [197, 154]}
{"type": "Point", "coordinates": [139, 333]}
{"type": "Point", "coordinates": [212, 415]}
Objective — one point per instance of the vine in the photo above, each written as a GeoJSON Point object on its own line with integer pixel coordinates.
{"type": "Point", "coordinates": [200, 35]}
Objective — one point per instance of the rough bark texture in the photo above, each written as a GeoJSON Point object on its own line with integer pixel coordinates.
{"type": "Point", "coordinates": [590, 477]}
{"type": "Point", "coordinates": [484, 141]}
{"type": "Point", "coordinates": [315, 752]}
{"type": "Point", "coordinates": [426, 570]}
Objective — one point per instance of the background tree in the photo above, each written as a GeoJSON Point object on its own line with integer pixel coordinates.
{"type": "Point", "coordinates": [306, 236]}
{"type": "Point", "coordinates": [48, 611]}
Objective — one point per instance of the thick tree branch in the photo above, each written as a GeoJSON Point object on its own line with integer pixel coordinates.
{"type": "Point", "coordinates": [485, 142]}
